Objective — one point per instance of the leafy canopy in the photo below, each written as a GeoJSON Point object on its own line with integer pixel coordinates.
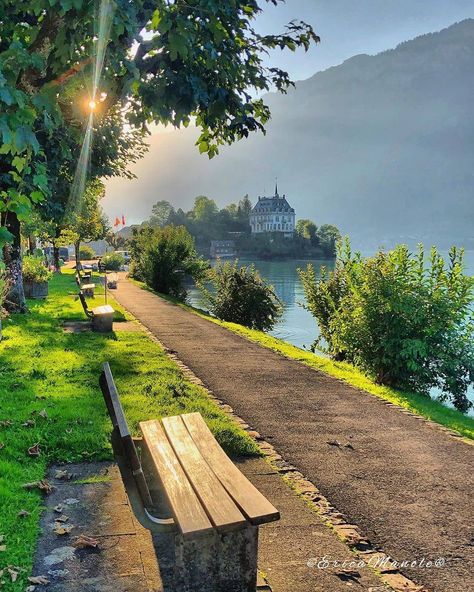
{"type": "Point", "coordinates": [167, 62]}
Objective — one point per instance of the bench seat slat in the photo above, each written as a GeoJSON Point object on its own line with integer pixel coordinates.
{"type": "Point", "coordinates": [185, 505]}
{"type": "Point", "coordinates": [105, 309]}
{"type": "Point", "coordinates": [219, 506]}
{"type": "Point", "coordinates": [248, 498]}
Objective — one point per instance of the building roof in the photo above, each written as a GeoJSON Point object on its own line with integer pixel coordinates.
{"type": "Point", "coordinates": [276, 203]}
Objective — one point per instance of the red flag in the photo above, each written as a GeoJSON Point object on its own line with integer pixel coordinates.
{"type": "Point", "coordinates": [117, 222]}
{"type": "Point", "coordinates": [123, 220]}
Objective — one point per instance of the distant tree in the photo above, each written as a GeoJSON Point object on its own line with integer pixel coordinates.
{"type": "Point", "coordinates": [89, 223]}
{"type": "Point", "coordinates": [115, 240]}
{"type": "Point", "coordinates": [86, 252]}
{"type": "Point", "coordinates": [205, 209]}
{"type": "Point", "coordinates": [307, 229]}
{"type": "Point", "coordinates": [178, 218]}
{"type": "Point", "coordinates": [328, 236]}
{"type": "Point", "coordinates": [232, 210]}
{"type": "Point", "coordinates": [161, 213]}
{"type": "Point", "coordinates": [245, 207]}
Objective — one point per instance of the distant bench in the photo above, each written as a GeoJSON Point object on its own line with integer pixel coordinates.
{"type": "Point", "coordinates": [86, 288]}
{"type": "Point", "coordinates": [188, 485]}
{"type": "Point", "coordinates": [102, 317]}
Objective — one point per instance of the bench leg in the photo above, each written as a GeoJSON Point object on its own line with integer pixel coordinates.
{"type": "Point", "coordinates": [217, 563]}
{"type": "Point", "coordinates": [103, 323]}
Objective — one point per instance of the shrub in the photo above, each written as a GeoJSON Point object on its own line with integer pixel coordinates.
{"type": "Point", "coordinates": [86, 253]}
{"type": "Point", "coordinates": [405, 321]}
{"type": "Point", "coordinates": [163, 257]}
{"type": "Point", "coordinates": [34, 269]}
{"type": "Point", "coordinates": [113, 261]}
{"type": "Point", "coordinates": [240, 295]}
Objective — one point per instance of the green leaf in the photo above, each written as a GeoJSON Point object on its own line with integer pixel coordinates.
{"type": "Point", "coordinates": [5, 236]}
{"type": "Point", "coordinates": [36, 196]}
{"type": "Point", "coordinates": [19, 163]}
{"type": "Point", "coordinates": [5, 96]}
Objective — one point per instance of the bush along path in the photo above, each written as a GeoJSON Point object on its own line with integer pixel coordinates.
{"type": "Point", "coordinates": [403, 480]}
{"type": "Point", "coordinates": [51, 410]}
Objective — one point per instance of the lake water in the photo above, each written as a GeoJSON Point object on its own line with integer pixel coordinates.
{"type": "Point", "coordinates": [297, 325]}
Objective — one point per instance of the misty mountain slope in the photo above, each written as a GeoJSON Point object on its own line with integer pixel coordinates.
{"type": "Point", "coordinates": [381, 145]}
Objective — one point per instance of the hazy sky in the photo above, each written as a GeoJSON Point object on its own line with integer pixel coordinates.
{"type": "Point", "coordinates": [346, 28]}
{"type": "Point", "coordinates": [350, 27]}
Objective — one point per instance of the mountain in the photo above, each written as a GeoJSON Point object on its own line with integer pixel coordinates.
{"type": "Point", "coordinates": [382, 146]}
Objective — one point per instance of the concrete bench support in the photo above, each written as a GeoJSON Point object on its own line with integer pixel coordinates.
{"type": "Point", "coordinates": [217, 562]}
{"type": "Point", "coordinates": [103, 322]}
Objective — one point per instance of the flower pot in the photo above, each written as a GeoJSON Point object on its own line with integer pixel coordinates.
{"type": "Point", "coordinates": [36, 290]}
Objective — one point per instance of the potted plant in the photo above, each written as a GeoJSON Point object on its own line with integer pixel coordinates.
{"type": "Point", "coordinates": [35, 277]}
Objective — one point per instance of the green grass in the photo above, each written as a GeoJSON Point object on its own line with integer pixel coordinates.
{"type": "Point", "coordinates": [419, 404]}
{"type": "Point", "coordinates": [43, 368]}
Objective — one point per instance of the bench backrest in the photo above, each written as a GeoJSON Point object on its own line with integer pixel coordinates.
{"type": "Point", "coordinates": [122, 440]}
{"type": "Point", "coordinates": [83, 300]}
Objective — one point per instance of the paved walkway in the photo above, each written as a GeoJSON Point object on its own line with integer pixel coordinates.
{"type": "Point", "coordinates": [406, 484]}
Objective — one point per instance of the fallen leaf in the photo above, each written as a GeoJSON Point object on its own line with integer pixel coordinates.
{"type": "Point", "coordinates": [62, 518]}
{"type": "Point", "coordinates": [39, 580]}
{"type": "Point", "coordinates": [63, 475]}
{"type": "Point", "coordinates": [23, 514]}
{"type": "Point", "coordinates": [334, 443]}
{"type": "Point", "coordinates": [62, 530]}
{"type": "Point", "coordinates": [85, 542]}
{"type": "Point", "coordinates": [6, 423]}
{"type": "Point", "coordinates": [43, 414]}
{"type": "Point", "coordinates": [2, 445]}
{"type": "Point", "coordinates": [30, 589]}
{"type": "Point", "coordinates": [13, 574]}
{"type": "Point", "coordinates": [29, 423]}
{"type": "Point", "coordinates": [43, 485]}
{"type": "Point", "coordinates": [34, 450]}
{"type": "Point", "coordinates": [58, 509]}
{"type": "Point", "coordinates": [3, 548]}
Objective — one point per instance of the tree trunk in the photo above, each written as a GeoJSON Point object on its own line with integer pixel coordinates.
{"type": "Point", "coordinates": [77, 251]}
{"type": "Point", "coordinates": [31, 244]}
{"type": "Point", "coordinates": [15, 301]}
{"type": "Point", "coordinates": [56, 264]}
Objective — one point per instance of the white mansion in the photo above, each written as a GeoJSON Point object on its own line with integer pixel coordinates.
{"type": "Point", "coordinates": [272, 214]}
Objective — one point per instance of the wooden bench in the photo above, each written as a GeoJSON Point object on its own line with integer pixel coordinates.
{"type": "Point", "coordinates": [87, 289]}
{"type": "Point", "coordinates": [178, 478]}
{"type": "Point", "coordinates": [102, 317]}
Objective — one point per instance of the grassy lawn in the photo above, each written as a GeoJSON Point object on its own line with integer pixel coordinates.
{"type": "Point", "coordinates": [43, 368]}
{"type": "Point", "coordinates": [424, 406]}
